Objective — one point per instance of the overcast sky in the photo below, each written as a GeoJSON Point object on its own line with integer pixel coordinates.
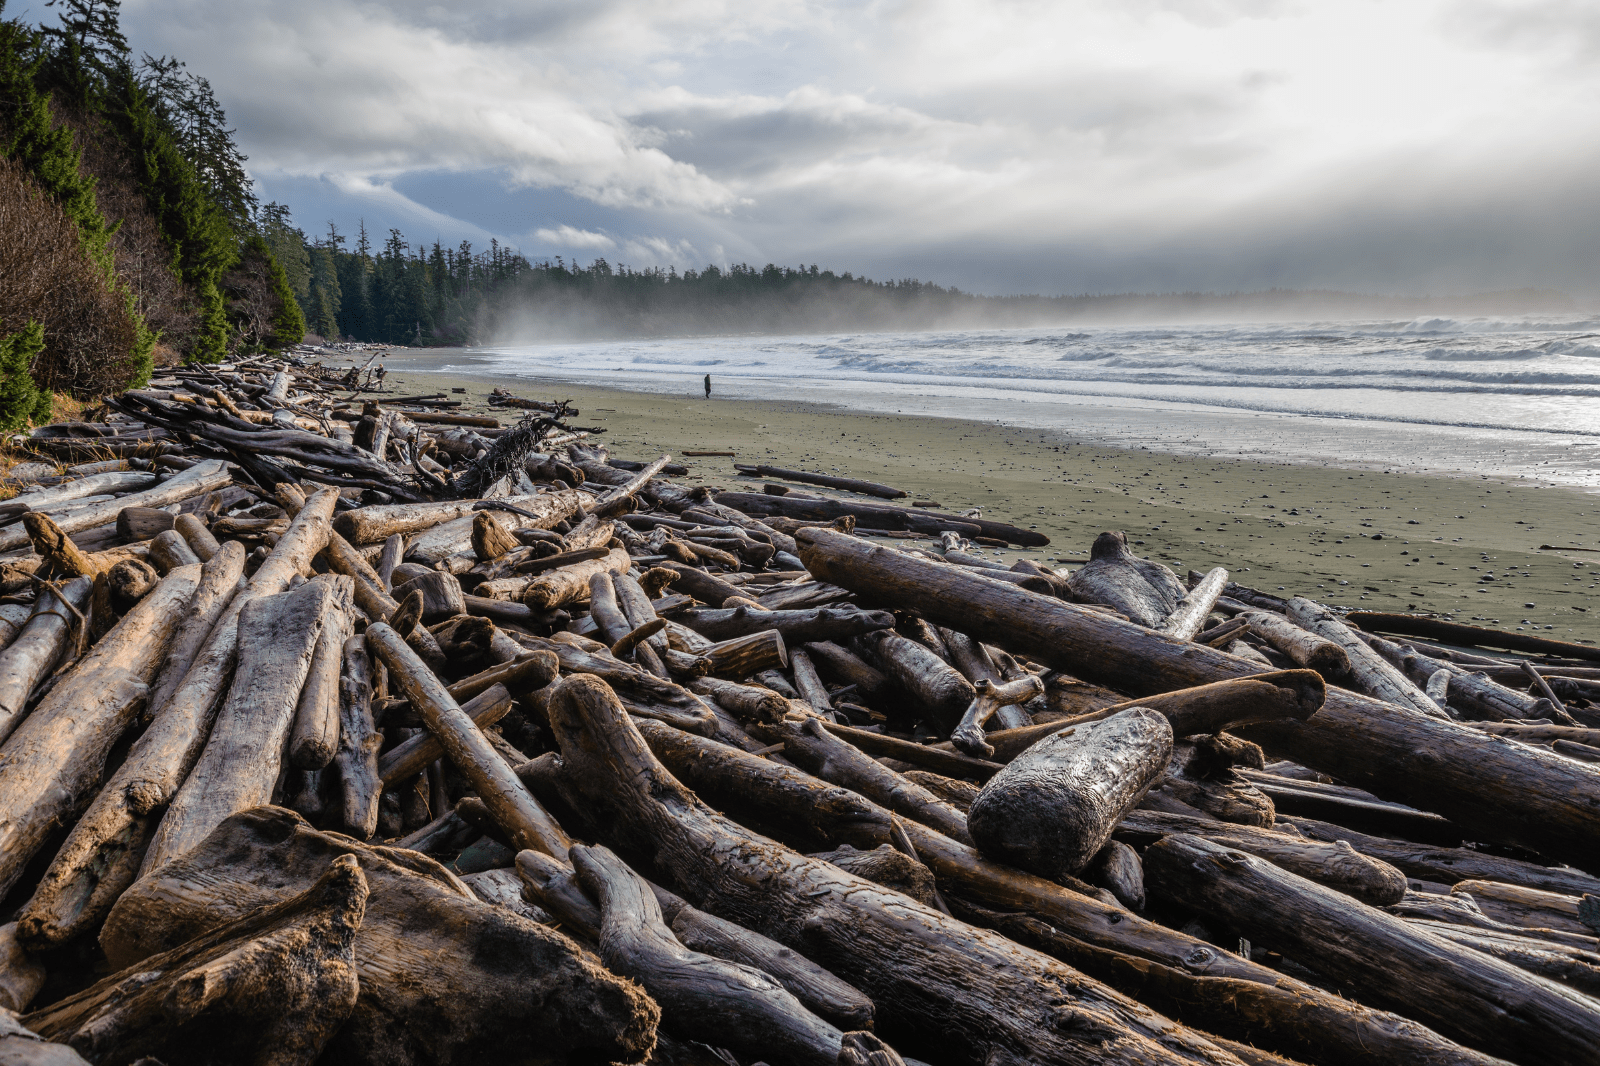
{"type": "Point", "coordinates": [1060, 146]}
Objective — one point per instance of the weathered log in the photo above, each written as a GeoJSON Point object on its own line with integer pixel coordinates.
{"type": "Point", "coordinates": [58, 548]}
{"type": "Point", "coordinates": [1530, 907]}
{"type": "Point", "coordinates": [883, 865]}
{"type": "Point", "coordinates": [644, 693]}
{"type": "Point", "coordinates": [443, 977]}
{"type": "Point", "coordinates": [1141, 589]}
{"type": "Point", "coordinates": [749, 654]}
{"type": "Point", "coordinates": [126, 583]}
{"type": "Point", "coordinates": [805, 477]}
{"type": "Point", "coordinates": [197, 536]}
{"type": "Point", "coordinates": [181, 741]}
{"type": "Point", "coordinates": [435, 542]}
{"type": "Point", "coordinates": [1187, 972]}
{"type": "Point", "coordinates": [699, 584]}
{"type": "Point", "coordinates": [441, 595]}
{"type": "Point", "coordinates": [1189, 616]}
{"type": "Point", "coordinates": [93, 485]}
{"type": "Point", "coordinates": [1367, 668]}
{"type": "Point", "coordinates": [314, 736]}
{"type": "Point", "coordinates": [410, 757]}
{"type": "Point", "coordinates": [34, 653]}
{"type": "Point", "coordinates": [936, 686]}
{"type": "Point", "coordinates": [1468, 996]}
{"type": "Point", "coordinates": [53, 762]}
{"type": "Point", "coordinates": [101, 856]}
{"type": "Point", "coordinates": [1213, 708]}
{"type": "Point", "coordinates": [557, 588]}
{"type": "Point", "coordinates": [608, 616]}
{"type": "Point", "coordinates": [21, 974]}
{"type": "Point", "coordinates": [745, 702]}
{"type": "Point", "coordinates": [201, 478]}
{"type": "Point", "coordinates": [847, 666]}
{"type": "Point", "coordinates": [169, 550]}
{"type": "Point", "coordinates": [490, 540]}
{"type": "Point", "coordinates": [1055, 805]}
{"type": "Point", "coordinates": [278, 637]}
{"type": "Point", "coordinates": [1117, 869]}
{"type": "Point", "coordinates": [1309, 799]}
{"type": "Point", "coordinates": [142, 523]}
{"type": "Point", "coordinates": [1469, 636]}
{"type": "Point", "coordinates": [991, 696]}
{"type": "Point", "coordinates": [21, 1046]}
{"type": "Point", "coordinates": [1463, 911]}
{"type": "Point", "coordinates": [875, 515]}
{"type": "Point", "coordinates": [371, 593]}
{"type": "Point", "coordinates": [526, 823]}
{"type": "Point", "coordinates": [1303, 646]}
{"type": "Point", "coordinates": [1449, 865]}
{"type": "Point", "coordinates": [590, 533]}
{"type": "Point", "coordinates": [619, 498]}
{"type": "Point", "coordinates": [394, 548]}
{"type": "Point", "coordinates": [1337, 865]}
{"type": "Point", "coordinates": [359, 740]}
{"type": "Point", "coordinates": [808, 684]}
{"type": "Point", "coordinates": [634, 638]}
{"type": "Point", "coordinates": [270, 987]}
{"type": "Point", "coordinates": [1571, 966]}
{"type": "Point", "coordinates": [812, 747]}
{"type": "Point", "coordinates": [924, 964]}
{"type": "Point", "coordinates": [702, 998]}
{"type": "Point", "coordinates": [1502, 791]}
{"type": "Point", "coordinates": [939, 760]}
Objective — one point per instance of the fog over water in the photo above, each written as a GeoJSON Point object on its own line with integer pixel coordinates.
{"type": "Point", "coordinates": [1513, 396]}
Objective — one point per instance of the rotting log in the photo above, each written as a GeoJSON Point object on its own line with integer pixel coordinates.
{"type": "Point", "coordinates": [1260, 1002]}
{"type": "Point", "coordinates": [181, 739]}
{"type": "Point", "coordinates": [1471, 997]}
{"type": "Point", "coordinates": [272, 986]}
{"type": "Point", "coordinates": [924, 966]}
{"type": "Point", "coordinates": [526, 823]}
{"type": "Point", "coordinates": [1336, 865]}
{"type": "Point", "coordinates": [54, 761]}
{"type": "Point", "coordinates": [1055, 805]}
{"type": "Point", "coordinates": [1213, 708]}
{"type": "Point", "coordinates": [1501, 791]}
{"type": "Point", "coordinates": [101, 855]}
{"type": "Point", "coordinates": [443, 977]}
{"type": "Point", "coordinates": [37, 649]}
{"type": "Point", "coordinates": [360, 785]}
{"type": "Point", "coordinates": [701, 997]}
{"type": "Point", "coordinates": [58, 549]}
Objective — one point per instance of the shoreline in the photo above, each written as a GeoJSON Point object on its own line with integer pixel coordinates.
{"type": "Point", "coordinates": [1353, 537]}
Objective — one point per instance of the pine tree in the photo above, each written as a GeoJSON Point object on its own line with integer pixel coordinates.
{"type": "Point", "coordinates": [288, 324]}
{"type": "Point", "coordinates": [20, 399]}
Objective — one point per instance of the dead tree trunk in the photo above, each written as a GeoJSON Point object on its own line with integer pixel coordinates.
{"type": "Point", "coordinates": [1055, 805]}
{"type": "Point", "coordinates": [702, 998]}
{"type": "Point", "coordinates": [1367, 667]}
{"type": "Point", "coordinates": [443, 977]}
{"type": "Point", "coordinates": [1301, 645]}
{"type": "Point", "coordinates": [1471, 997]}
{"type": "Point", "coordinates": [170, 754]}
{"type": "Point", "coordinates": [924, 967]}
{"type": "Point", "coordinates": [270, 988]}
{"type": "Point", "coordinates": [278, 638]}
{"type": "Point", "coordinates": [1189, 617]}
{"type": "Point", "coordinates": [518, 813]}
{"type": "Point", "coordinates": [53, 763]}
{"type": "Point", "coordinates": [1501, 791]}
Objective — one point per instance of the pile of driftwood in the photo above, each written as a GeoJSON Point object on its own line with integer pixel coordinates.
{"type": "Point", "coordinates": [376, 734]}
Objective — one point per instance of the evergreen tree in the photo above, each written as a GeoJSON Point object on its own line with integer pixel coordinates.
{"type": "Point", "coordinates": [20, 399]}
{"type": "Point", "coordinates": [288, 325]}
{"type": "Point", "coordinates": [288, 245]}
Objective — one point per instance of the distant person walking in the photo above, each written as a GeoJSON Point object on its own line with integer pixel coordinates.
{"type": "Point", "coordinates": [708, 386]}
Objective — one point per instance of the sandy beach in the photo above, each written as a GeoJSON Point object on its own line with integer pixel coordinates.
{"type": "Point", "coordinates": [1353, 537]}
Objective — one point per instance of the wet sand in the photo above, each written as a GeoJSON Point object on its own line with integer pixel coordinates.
{"type": "Point", "coordinates": [1351, 537]}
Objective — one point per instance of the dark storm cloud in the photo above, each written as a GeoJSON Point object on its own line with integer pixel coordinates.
{"type": "Point", "coordinates": [1019, 146]}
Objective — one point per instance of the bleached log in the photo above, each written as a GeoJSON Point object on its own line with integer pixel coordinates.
{"type": "Point", "coordinates": [1367, 668]}
{"type": "Point", "coordinates": [54, 761]}
{"type": "Point", "coordinates": [197, 536]}
{"type": "Point", "coordinates": [193, 706]}
{"type": "Point", "coordinates": [93, 485]}
{"type": "Point", "coordinates": [1143, 590]}
{"type": "Point", "coordinates": [557, 588]}
{"type": "Point", "coordinates": [169, 550]}
{"type": "Point", "coordinates": [314, 737]}
{"type": "Point", "coordinates": [205, 476]}
{"type": "Point", "coordinates": [359, 740]}
{"type": "Point", "coordinates": [1303, 646]}
{"type": "Point", "coordinates": [36, 650]}
{"type": "Point", "coordinates": [1189, 616]}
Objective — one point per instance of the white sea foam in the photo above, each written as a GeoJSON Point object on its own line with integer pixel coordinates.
{"type": "Point", "coordinates": [1515, 396]}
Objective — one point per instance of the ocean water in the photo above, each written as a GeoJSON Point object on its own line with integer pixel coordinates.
{"type": "Point", "coordinates": [1513, 397]}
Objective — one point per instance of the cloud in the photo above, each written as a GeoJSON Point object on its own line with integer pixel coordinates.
{"type": "Point", "coordinates": [567, 237]}
{"type": "Point", "coordinates": [1044, 144]}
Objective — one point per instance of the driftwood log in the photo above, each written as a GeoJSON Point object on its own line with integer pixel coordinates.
{"type": "Point", "coordinates": [443, 977]}
{"type": "Point", "coordinates": [38, 647]}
